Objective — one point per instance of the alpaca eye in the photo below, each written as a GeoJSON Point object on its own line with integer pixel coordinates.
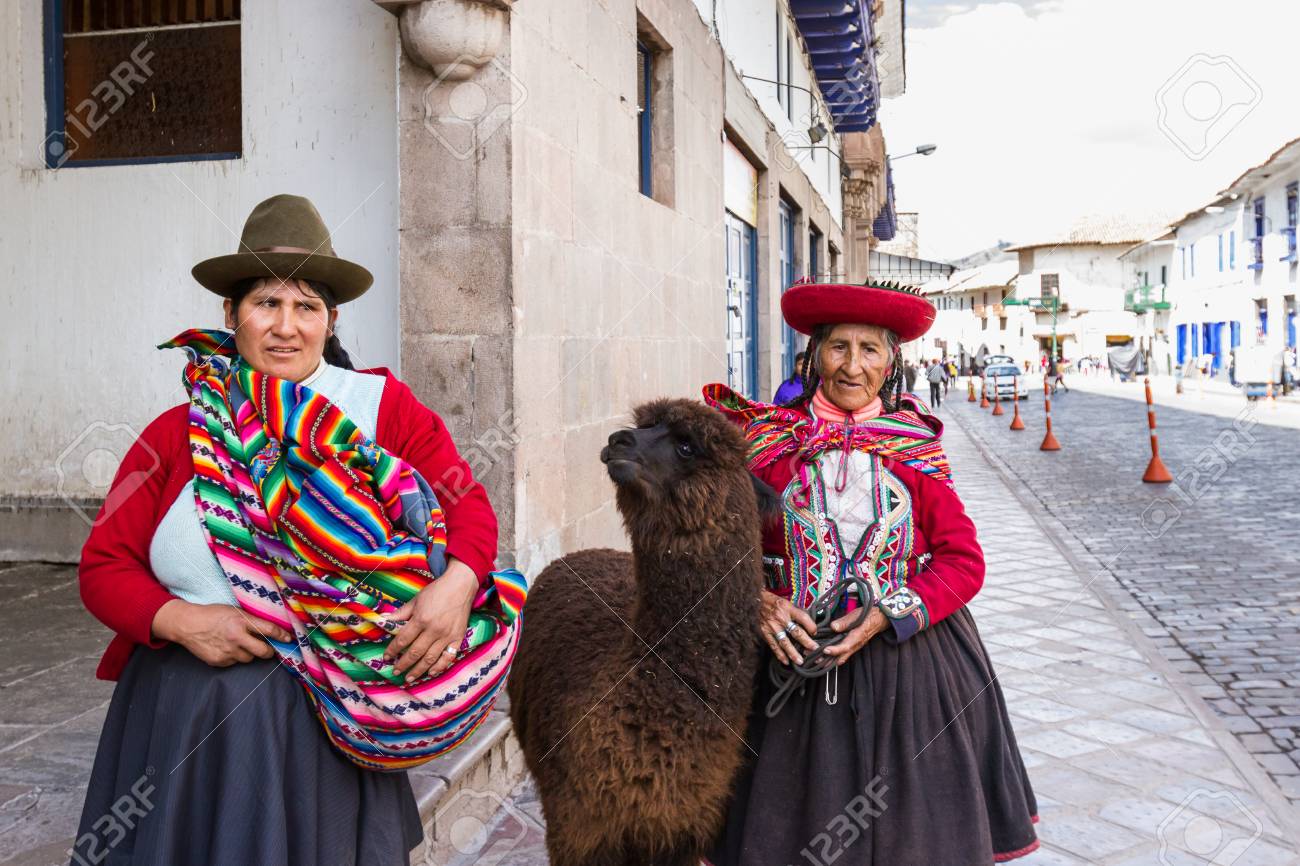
{"type": "Point", "coordinates": [684, 449]}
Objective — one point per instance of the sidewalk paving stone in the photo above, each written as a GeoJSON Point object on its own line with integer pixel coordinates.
{"type": "Point", "coordinates": [1129, 762]}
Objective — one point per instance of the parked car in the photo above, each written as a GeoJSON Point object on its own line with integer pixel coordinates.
{"type": "Point", "coordinates": [996, 360]}
{"type": "Point", "coordinates": [1011, 380]}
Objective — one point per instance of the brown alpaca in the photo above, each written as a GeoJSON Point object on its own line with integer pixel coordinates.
{"type": "Point", "coordinates": [634, 675]}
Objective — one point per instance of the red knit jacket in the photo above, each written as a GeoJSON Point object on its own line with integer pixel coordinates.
{"type": "Point", "coordinates": [117, 585]}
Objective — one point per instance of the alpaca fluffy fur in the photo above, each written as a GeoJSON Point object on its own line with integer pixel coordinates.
{"type": "Point", "coordinates": [634, 675]}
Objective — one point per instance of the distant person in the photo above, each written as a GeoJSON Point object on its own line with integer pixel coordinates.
{"type": "Point", "coordinates": [1059, 380]}
{"type": "Point", "coordinates": [950, 371]}
{"type": "Point", "coordinates": [935, 376]}
{"type": "Point", "coordinates": [792, 387]}
{"type": "Point", "coordinates": [909, 377]}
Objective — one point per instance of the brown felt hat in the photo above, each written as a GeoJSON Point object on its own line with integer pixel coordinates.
{"type": "Point", "coordinates": [285, 237]}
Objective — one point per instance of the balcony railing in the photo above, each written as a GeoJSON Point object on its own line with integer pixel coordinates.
{"type": "Point", "coordinates": [1257, 263]}
{"type": "Point", "coordinates": [1288, 232]}
{"type": "Point", "coordinates": [1139, 299]}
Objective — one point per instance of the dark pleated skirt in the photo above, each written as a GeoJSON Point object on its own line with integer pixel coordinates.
{"type": "Point", "coordinates": [205, 765]}
{"type": "Point", "coordinates": [916, 764]}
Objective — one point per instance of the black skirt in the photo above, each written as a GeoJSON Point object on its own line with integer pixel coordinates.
{"type": "Point", "coordinates": [205, 765]}
{"type": "Point", "coordinates": [915, 764]}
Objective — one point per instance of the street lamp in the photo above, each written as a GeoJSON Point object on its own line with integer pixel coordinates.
{"type": "Point", "coordinates": [818, 130]}
{"type": "Point", "coordinates": [922, 149]}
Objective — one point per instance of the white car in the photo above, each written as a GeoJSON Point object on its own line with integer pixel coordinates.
{"type": "Point", "coordinates": [1012, 381]}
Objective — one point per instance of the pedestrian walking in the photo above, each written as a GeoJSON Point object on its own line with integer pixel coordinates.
{"type": "Point", "coordinates": [908, 696]}
{"type": "Point", "coordinates": [1058, 380]}
{"type": "Point", "coordinates": [949, 375]}
{"type": "Point", "coordinates": [790, 388]}
{"type": "Point", "coordinates": [242, 697]}
{"type": "Point", "coordinates": [935, 376]}
{"type": "Point", "coordinates": [909, 377]}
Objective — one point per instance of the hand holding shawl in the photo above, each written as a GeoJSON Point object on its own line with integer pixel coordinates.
{"type": "Point", "coordinates": [324, 532]}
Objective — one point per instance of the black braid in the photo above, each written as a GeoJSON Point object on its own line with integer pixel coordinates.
{"type": "Point", "coordinates": [808, 374]}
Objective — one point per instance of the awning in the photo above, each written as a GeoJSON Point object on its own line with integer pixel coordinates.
{"type": "Point", "coordinates": [885, 225]}
{"type": "Point", "coordinates": [839, 36]}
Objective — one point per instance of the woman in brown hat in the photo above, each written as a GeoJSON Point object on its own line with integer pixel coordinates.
{"type": "Point", "coordinates": [240, 731]}
{"type": "Point", "coordinates": [879, 733]}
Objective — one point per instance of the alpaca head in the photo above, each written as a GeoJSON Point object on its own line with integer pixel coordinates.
{"type": "Point", "coordinates": [682, 468]}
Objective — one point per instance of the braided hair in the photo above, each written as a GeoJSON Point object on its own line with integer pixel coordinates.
{"type": "Point", "coordinates": [891, 390]}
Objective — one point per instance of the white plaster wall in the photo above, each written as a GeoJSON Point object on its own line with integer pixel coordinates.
{"type": "Point", "coordinates": [95, 262]}
{"type": "Point", "coordinates": [1211, 295]}
{"type": "Point", "coordinates": [1092, 285]}
{"type": "Point", "coordinates": [1276, 279]}
{"type": "Point", "coordinates": [747, 31]}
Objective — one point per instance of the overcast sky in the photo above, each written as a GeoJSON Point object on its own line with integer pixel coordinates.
{"type": "Point", "coordinates": [1048, 110]}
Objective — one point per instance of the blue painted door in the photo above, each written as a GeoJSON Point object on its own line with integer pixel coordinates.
{"type": "Point", "coordinates": [1214, 333]}
{"type": "Point", "coordinates": [787, 280]}
{"type": "Point", "coordinates": [1181, 339]}
{"type": "Point", "coordinates": [742, 307]}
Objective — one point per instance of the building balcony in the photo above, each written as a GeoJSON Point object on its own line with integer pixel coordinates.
{"type": "Point", "coordinates": [1288, 232]}
{"type": "Point", "coordinates": [1257, 260]}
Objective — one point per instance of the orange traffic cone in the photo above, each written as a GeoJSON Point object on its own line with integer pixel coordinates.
{"type": "Point", "coordinates": [970, 389]}
{"type": "Point", "coordinates": [984, 396]}
{"type": "Point", "coordinates": [1156, 472]}
{"type": "Point", "coordinates": [997, 402]}
{"type": "Point", "coordinates": [1016, 423]}
{"type": "Point", "coordinates": [1049, 441]}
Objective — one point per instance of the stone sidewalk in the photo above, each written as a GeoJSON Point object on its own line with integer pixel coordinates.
{"type": "Point", "coordinates": [1130, 766]}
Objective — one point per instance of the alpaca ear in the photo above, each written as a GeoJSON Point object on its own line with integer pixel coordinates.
{"type": "Point", "coordinates": [769, 503]}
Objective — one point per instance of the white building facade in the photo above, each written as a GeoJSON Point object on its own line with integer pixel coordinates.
{"type": "Point", "coordinates": [1211, 310]}
{"type": "Point", "coordinates": [1082, 274]}
{"type": "Point", "coordinates": [972, 318]}
{"type": "Point", "coordinates": [568, 209]}
{"type": "Point", "coordinates": [1147, 268]}
{"type": "Point", "coordinates": [1270, 203]}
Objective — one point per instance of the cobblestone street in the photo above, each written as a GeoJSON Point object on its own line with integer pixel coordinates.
{"type": "Point", "coordinates": [1214, 558]}
{"type": "Point", "coordinates": [1130, 765]}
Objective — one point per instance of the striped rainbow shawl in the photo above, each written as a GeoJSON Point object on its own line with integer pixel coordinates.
{"type": "Point", "coordinates": [324, 533]}
{"type": "Point", "coordinates": [910, 435]}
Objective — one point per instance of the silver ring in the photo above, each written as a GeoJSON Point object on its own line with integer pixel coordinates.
{"type": "Point", "coordinates": [782, 636]}
{"type": "Point", "coordinates": [450, 650]}
{"type": "Point", "coordinates": [790, 627]}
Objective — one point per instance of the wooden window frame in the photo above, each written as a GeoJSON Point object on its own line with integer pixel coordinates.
{"type": "Point", "coordinates": [56, 116]}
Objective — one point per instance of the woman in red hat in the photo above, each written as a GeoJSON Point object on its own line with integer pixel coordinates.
{"type": "Point", "coordinates": [879, 732]}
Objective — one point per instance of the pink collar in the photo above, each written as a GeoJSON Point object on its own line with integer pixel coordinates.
{"type": "Point", "coordinates": [828, 411]}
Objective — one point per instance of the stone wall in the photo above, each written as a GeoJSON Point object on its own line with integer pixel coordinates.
{"type": "Point", "coordinates": [543, 295]}
{"type": "Point", "coordinates": [618, 298]}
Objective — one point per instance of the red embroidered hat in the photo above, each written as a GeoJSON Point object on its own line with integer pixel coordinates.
{"type": "Point", "coordinates": [899, 308]}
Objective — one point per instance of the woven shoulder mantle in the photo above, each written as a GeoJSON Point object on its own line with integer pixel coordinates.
{"type": "Point", "coordinates": [910, 435]}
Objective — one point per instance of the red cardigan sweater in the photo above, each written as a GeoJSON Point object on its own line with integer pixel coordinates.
{"type": "Point", "coordinates": [117, 585]}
